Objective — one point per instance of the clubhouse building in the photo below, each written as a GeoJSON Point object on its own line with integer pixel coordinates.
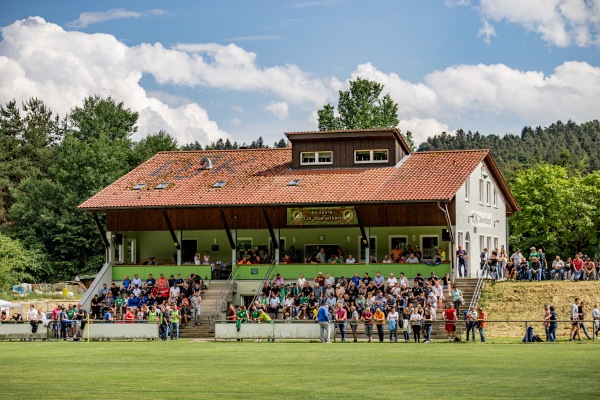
{"type": "Point", "coordinates": [363, 191]}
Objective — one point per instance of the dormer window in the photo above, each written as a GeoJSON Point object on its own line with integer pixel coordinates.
{"type": "Point", "coordinates": [316, 157]}
{"type": "Point", "coordinates": [370, 156]}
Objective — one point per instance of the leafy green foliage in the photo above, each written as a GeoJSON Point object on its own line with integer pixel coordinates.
{"type": "Point", "coordinates": [559, 210]}
{"type": "Point", "coordinates": [360, 107]}
{"type": "Point", "coordinates": [17, 264]}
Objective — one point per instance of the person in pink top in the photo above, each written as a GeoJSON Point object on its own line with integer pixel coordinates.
{"type": "Point", "coordinates": [341, 316]}
{"type": "Point", "coordinates": [577, 268]}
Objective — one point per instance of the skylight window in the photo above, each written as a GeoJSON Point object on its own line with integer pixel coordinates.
{"type": "Point", "coordinates": [219, 184]}
{"type": "Point", "coordinates": [139, 186]}
{"type": "Point", "coordinates": [162, 186]}
{"type": "Point", "coordinates": [294, 182]}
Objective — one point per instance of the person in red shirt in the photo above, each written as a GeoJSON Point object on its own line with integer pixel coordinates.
{"type": "Point", "coordinates": [577, 268]}
{"type": "Point", "coordinates": [450, 318]}
{"type": "Point", "coordinates": [129, 317]}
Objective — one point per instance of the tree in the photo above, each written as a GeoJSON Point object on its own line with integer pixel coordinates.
{"type": "Point", "coordinates": [281, 144]}
{"type": "Point", "coordinates": [17, 263]}
{"type": "Point", "coordinates": [360, 107]}
{"type": "Point", "coordinates": [91, 156]}
{"type": "Point", "coordinates": [25, 145]}
{"type": "Point", "coordinates": [150, 145]}
{"type": "Point", "coordinates": [558, 210]}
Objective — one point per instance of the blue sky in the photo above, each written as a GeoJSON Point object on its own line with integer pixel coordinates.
{"type": "Point", "coordinates": [242, 69]}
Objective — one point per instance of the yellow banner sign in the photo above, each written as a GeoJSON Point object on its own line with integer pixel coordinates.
{"type": "Point", "coordinates": [322, 216]}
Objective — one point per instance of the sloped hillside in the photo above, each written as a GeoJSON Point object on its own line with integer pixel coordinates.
{"type": "Point", "coordinates": [525, 301]}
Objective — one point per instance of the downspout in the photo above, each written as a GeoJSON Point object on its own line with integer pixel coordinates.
{"type": "Point", "coordinates": [451, 233]}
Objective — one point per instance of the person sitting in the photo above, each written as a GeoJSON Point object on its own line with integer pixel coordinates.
{"type": "Point", "coordinates": [536, 269]}
{"type": "Point", "coordinates": [350, 259]}
{"type": "Point", "coordinates": [558, 269]}
{"type": "Point", "coordinates": [589, 270]}
{"type": "Point", "coordinates": [412, 259]}
{"type": "Point", "coordinates": [386, 259]}
{"type": "Point", "coordinates": [418, 253]}
{"type": "Point", "coordinates": [396, 253]}
{"type": "Point", "coordinates": [372, 259]}
{"type": "Point", "coordinates": [523, 270]}
{"type": "Point", "coordinates": [419, 278]}
{"type": "Point", "coordinates": [511, 272]}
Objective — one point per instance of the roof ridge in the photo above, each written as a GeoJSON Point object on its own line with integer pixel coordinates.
{"type": "Point", "coordinates": [453, 151]}
{"type": "Point", "coordinates": [223, 150]}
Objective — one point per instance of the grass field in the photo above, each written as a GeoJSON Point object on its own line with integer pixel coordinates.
{"type": "Point", "coordinates": [228, 370]}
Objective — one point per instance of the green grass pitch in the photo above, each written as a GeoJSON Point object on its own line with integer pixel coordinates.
{"type": "Point", "coordinates": [233, 370]}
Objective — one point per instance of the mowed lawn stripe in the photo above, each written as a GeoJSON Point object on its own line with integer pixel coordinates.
{"type": "Point", "coordinates": [184, 369]}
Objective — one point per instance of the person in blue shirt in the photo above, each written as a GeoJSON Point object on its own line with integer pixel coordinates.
{"type": "Point", "coordinates": [324, 323]}
{"type": "Point", "coordinates": [132, 301]}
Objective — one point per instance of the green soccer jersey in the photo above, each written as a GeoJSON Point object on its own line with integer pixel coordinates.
{"type": "Point", "coordinates": [119, 302]}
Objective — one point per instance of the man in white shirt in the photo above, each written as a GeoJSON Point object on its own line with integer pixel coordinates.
{"type": "Point", "coordinates": [350, 259]}
{"type": "Point", "coordinates": [329, 280]}
{"type": "Point", "coordinates": [391, 283]}
{"type": "Point", "coordinates": [402, 280]}
{"type": "Point", "coordinates": [175, 291]}
{"type": "Point", "coordinates": [575, 320]}
{"type": "Point", "coordinates": [557, 266]}
{"type": "Point", "coordinates": [596, 318]}
{"type": "Point", "coordinates": [136, 281]}
{"type": "Point", "coordinates": [412, 259]}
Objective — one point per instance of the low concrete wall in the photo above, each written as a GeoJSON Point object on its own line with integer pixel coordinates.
{"type": "Point", "coordinates": [14, 331]}
{"type": "Point", "coordinates": [116, 331]}
{"type": "Point", "coordinates": [294, 330]}
{"type": "Point", "coordinates": [119, 331]}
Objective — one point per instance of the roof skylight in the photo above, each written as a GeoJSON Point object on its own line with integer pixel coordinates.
{"type": "Point", "coordinates": [219, 184]}
{"type": "Point", "coordinates": [139, 186]}
{"type": "Point", "coordinates": [294, 182]}
{"type": "Point", "coordinates": [162, 186]}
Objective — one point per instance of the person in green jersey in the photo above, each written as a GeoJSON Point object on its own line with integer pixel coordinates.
{"type": "Point", "coordinates": [119, 304]}
{"type": "Point", "coordinates": [175, 317]}
{"type": "Point", "coordinates": [241, 317]}
{"type": "Point", "coordinates": [71, 311]}
{"type": "Point", "coordinates": [254, 314]}
{"type": "Point", "coordinates": [152, 315]}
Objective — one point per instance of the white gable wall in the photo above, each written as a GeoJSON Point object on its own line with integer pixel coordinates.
{"type": "Point", "coordinates": [480, 224]}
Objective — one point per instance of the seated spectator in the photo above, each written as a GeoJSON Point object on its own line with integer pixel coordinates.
{"type": "Point", "coordinates": [339, 291]}
{"type": "Point", "coordinates": [536, 269]}
{"type": "Point", "coordinates": [558, 267]}
{"type": "Point", "coordinates": [396, 253]}
{"type": "Point", "coordinates": [329, 280]}
{"type": "Point", "coordinates": [379, 282]}
{"type": "Point", "coordinates": [274, 305]}
{"type": "Point", "coordinates": [416, 290]}
{"type": "Point", "coordinates": [343, 281]}
{"type": "Point", "coordinates": [578, 268]}
{"type": "Point", "coordinates": [104, 290]}
{"type": "Point", "coordinates": [151, 282]}
{"type": "Point", "coordinates": [412, 259]}
{"type": "Point", "coordinates": [511, 272]}
{"type": "Point", "coordinates": [523, 270]}
{"type": "Point", "coordinates": [162, 281]}
{"type": "Point", "coordinates": [386, 259]}
{"type": "Point", "coordinates": [589, 270]}
{"type": "Point", "coordinates": [136, 281]}
{"type": "Point", "coordinates": [392, 282]}
{"type": "Point", "coordinates": [278, 282]}
{"type": "Point", "coordinates": [419, 278]}
{"type": "Point", "coordinates": [432, 278]}
{"type": "Point", "coordinates": [372, 259]}
{"type": "Point", "coordinates": [418, 253]}
{"type": "Point", "coordinates": [350, 259]}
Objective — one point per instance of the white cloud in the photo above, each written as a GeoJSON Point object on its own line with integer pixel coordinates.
{"type": "Point", "coordinates": [487, 31]}
{"type": "Point", "coordinates": [280, 109]}
{"type": "Point", "coordinates": [41, 59]}
{"type": "Point", "coordinates": [559, 22]}
{"type": "Point", "coordinates": [88, 18]}
{"type": "Point", "coordinates": [491, 93]}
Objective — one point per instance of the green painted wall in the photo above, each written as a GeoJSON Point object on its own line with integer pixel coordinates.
{"type": "Point", "coordinates": [291, 271]}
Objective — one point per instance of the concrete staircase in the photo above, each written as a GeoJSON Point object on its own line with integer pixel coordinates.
{"type": "Point", "coordinates": [467, 287]}
{"type": "Point", "coordinates": [209, 298]}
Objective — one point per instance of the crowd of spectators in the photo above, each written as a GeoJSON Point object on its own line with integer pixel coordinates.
{"type": "Point", "coordinates": [376, 301]}
{"type": "Point", "coordinates": [533, 266]}
{"type": "Point", "coordinates": [168, 302]}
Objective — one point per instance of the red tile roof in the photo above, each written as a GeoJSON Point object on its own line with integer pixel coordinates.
{"type": "Point", "coordinates": [261, 177]}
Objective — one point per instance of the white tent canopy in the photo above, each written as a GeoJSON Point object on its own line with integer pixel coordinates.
{"type": "Point", "coordinates": [8, 304]}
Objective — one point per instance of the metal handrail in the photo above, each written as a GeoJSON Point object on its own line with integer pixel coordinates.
{"type": "Point", "coordinates": [225, 292]}
{"type": "Point", "coordinates": [477, 292]}
{"type": "Point", "coordinates": [262, 283]}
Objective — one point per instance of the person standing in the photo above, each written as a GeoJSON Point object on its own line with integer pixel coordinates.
{"type": "Point", "coordinates": [354, 322]}
{"type": "Point", "coordinates": [547, 322]}
{"type": "Point", "coordinates": [450, 318]}
{"type": "Point", "coordinates": [367, 318]}
{"type": "Point", "coordinates": [471, 323]}
{"type": "Point", "coordinates": [575, 320]}
{"type": "Point", "coordinates": [428, 317]}
{"type": "Point", "coordinates": [415, 321]}
{"type": "Point", "coordinates": [457, 298]}
{"type": "Point", "coordinates": [462, 256]}
{"type": "Point", "coordinates": [596, 318]}
{"type": "Point", "coordinates": [392, 318]}
{"type": "Point", "coordinates": [175, 316]}
{"type": "Point", "coordinates": [581, 315]}
{"type": "Point", "coordinates": [324, 320]}
{"type": "Point", "coordinates": [196, 300]}
{"type": "Point", "coordinates": [481, 323]}
{"type": "Point", "coordinates": [341, 316]}
{"type": "Point", "coordinates": [379, 318]}
{"type": "Point", "coordinates": [552, 324]}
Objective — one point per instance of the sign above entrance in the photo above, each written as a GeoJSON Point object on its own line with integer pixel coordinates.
{"type": "Point", "coordinates": [321, 216]}
{"type": "Point", "coordinates": [481, 219]}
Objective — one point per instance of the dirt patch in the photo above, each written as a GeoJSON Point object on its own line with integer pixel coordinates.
{"type": "Point", "coordinates": [525, 301]}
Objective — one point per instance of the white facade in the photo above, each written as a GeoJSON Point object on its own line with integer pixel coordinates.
{"type": "Point", "coordinates": [481, 219]}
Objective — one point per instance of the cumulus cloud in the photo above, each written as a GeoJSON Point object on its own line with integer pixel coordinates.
{"type": "Point", "coordinates": [41, 59]}
{"type": "Point", "coordinates": [88, 18]}
{"type": "Point", "coordinates": [448, 97]}
{"type": "Point", "coordinates": [280, 109]}
{"type": "Point", "coordinates": [559, 22]}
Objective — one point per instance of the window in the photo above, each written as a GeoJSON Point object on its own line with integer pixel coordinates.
{"type": "Point", "coordinates": [489, 244]}
{"type": "Point", "coordinates": [371, 156]}
{"type": "Point", "coordinates": [219, 184]}
{"type": "Point", "coordinates": [162, 186]}
{"type": "Point", "coordinates": [488, 193]}
{"type": "Point", "coordinates": [467, 189]}
{"type": "Point", "coordinates": [495, 198]}
{"type": "Point", "coordinates": [316, 157]}
{"type": "Point", "coordinates": [139, 186]}
{"type": "Point", "coordinates": [495, 243]}
{"type": "Point", "coordinates": [294, 182]}
{"type": "Point", "coordinates": [480, 191]}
